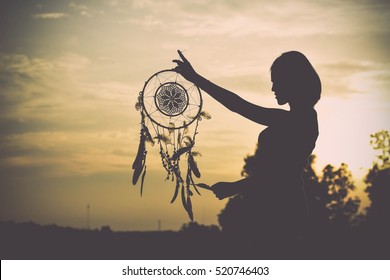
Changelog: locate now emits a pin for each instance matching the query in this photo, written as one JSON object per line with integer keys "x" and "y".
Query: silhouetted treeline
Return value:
{"x": 32, "y": 241}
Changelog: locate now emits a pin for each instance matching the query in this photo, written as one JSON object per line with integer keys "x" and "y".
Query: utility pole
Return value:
{"x": 159, "y": 225}
{"x": 88, "y": 215}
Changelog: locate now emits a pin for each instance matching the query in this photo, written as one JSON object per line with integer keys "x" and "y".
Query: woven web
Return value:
{"x": 171, "y": 99}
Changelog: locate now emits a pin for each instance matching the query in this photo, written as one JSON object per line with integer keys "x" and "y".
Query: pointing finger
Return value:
{"x": 182, "y": 56}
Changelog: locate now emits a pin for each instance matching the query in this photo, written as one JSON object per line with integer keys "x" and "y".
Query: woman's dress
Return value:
{"x": 274, "y": 205}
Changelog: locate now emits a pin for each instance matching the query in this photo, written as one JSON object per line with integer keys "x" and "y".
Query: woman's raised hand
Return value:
{"x": 185, "y": 68}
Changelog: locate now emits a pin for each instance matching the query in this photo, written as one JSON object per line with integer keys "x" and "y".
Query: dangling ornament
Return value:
{"x": 169, "y": 104}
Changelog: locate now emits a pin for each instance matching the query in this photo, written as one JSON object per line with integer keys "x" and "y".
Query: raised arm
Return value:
{"x": 258, "y": 114}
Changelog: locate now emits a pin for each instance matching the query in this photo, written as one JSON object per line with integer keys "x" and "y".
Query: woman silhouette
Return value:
{"x": 273, "y": 205}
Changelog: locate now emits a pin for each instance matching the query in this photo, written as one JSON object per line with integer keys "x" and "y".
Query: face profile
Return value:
{"x": 293, "y": 73}
{"x": 280, "y": 92}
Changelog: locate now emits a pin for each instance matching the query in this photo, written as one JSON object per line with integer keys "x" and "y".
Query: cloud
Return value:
{"x": 348, "y": 77}
{"x": 78, "y": 6}
{"x": 22, "y": 81}
{"x": 53, "y": 115}
{"x": 255, "y": 18}
{"x": 40, "y": 95}
{"x": 149, "y": 22}
{"x": 50, "y": 16}
{"x": 84, "y": 10}
{"x": 350, "y": 67}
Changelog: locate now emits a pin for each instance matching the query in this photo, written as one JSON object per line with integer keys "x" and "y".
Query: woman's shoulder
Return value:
{"x": 308, "y": 115}
{"x": 302, "y": 122}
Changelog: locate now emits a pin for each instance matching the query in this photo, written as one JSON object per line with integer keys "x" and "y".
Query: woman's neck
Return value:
{"x": 294, "y": 107}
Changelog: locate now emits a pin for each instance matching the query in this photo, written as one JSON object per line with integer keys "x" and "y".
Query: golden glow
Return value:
{"x": 70, "y": 78}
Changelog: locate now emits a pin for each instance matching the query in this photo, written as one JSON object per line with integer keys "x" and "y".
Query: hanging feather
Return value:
{"x": 176, "y": 191}
{"x": 193, "y": 166}
{"x": 195, "y": 154}
{"x": 139, "y": 161}
{"x": 183, "y": 197}
{"x": 189, "y": 192}
{"x": 189, "y": 208}
{"x": 171, "y": 128}
{"x": 179, "y": 152}
{"x": 187, "y": 140}
{"x": 140, "y": 154}
{"x": 191, "y": 181}
{"x": 143, "y": 179}
{"x": 148, "y": 136}
{"x": 163, "y": 138}
{"x": 179, "y": 139}
{"x": 205, "y": 115}
{"x": 137, "y": 172}
{"x": 185, "y": 131}
{"x": 186, "y": 200}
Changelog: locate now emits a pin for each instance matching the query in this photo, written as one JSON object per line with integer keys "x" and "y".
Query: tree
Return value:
{"x": 378, "y": 185}
{"x": 342, "y": 205}
{"x": 317, "y": 196}
{"x": 195, "y": 228}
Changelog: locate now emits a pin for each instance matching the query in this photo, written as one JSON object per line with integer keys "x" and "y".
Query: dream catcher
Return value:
{"x": 169, "y": 104}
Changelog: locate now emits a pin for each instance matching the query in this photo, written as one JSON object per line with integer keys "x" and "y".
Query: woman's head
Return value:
{"x": 295, "y": 80}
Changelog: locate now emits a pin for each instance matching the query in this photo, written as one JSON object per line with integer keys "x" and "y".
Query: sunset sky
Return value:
{"x": 71, "y": 71}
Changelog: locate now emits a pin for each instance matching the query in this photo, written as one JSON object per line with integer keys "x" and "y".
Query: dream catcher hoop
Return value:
{"x": 169, "y": 104}
{"x": 170, "y": 101}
